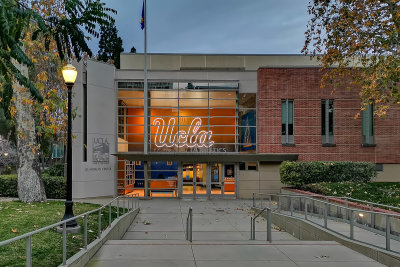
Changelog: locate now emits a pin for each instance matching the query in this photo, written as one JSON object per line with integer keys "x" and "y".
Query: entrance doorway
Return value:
{"x": 208, "y": 180}
{"x": 194, "y": 179}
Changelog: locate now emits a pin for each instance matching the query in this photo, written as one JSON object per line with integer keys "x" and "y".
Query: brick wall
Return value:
{"x": 303, "y": 85}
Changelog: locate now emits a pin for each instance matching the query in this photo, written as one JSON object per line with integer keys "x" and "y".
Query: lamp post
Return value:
{"x": 69, "y": 73}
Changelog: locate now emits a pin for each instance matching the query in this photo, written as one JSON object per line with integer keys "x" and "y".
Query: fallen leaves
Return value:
{"x": 14, "y": 230}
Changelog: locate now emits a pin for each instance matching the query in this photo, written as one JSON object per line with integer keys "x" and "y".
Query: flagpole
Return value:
{"x": 146, "y": 111}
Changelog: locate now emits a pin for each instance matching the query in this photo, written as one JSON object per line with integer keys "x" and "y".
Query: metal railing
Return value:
{"x": 127, "y": 206}
{"x": 189, "y": 225}
{"x": 322, "y": 211}
{"x": 269, "y": 224}
{"x": 263, "y": 197}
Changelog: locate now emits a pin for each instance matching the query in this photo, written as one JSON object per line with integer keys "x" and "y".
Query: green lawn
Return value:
{"x": 379, "y": 192}
{"x": 17, "y": 218}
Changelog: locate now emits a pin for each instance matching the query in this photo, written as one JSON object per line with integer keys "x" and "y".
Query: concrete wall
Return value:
{"x": 265, "y": 180}
{"x": 95, "y": 177}
{"x": 390, "y": 173}
{"x": 197, "y": 61}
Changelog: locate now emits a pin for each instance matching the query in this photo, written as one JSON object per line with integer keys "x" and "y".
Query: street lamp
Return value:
{"x": 69, "y": 73}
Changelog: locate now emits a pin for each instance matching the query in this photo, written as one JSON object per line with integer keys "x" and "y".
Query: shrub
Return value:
{"x": 53, "y": 185}
{"x": 55, "y": 170}
{"x": 301, "y": 173}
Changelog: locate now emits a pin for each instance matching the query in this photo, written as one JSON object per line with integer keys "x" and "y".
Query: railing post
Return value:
{"x": 64, "y": 242}
{"x": 269, "y": 222}
{"x": 109, "y": 215}
{"x": 351, "y": 224}
{"x": 191, "y": 225}
{"x": 117, "y": 207}
{"x": 254, "y": 201}
{"x": 326, "y": 215}
{"x": 29, "y": 251}
{"x": 388, "y": 232}
{"x": 372, "y": 216}
{"x": 305, "y": 209}
{"x": 251, "y": 228}
{"x": 254, "y": 229}
{"x": 347, "y": 208}
{"x": 270, "y": 204}
{"x": 99, "y": 225}
{"x": 279, "y": 204}
{"x": 85, "y": 230}
{"x": 291, "y": 205}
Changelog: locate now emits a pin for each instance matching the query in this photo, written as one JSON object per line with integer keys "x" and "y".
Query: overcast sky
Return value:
{"x": 213, "y": 26}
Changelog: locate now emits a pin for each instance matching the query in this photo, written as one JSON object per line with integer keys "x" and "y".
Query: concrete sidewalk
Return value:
{"x": 221, "y": 232}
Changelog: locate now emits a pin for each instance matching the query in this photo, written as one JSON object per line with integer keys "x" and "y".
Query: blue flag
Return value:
{"x": 142, "y": 20}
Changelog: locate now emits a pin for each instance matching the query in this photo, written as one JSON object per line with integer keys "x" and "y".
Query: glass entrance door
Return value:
{"x": 194, "y": 179}
{"x": 229, "y": 188}
{"x": 217, "y": 179}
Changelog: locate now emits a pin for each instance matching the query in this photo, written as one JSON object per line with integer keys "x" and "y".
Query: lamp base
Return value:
{"x": 69, "y": 230}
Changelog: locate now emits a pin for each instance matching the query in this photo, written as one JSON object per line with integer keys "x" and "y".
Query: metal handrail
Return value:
{"x": 349, "y": 212}
{"x": 132, "y": 200}
{"x": 189, "y": 225}
{"x": 253, "y": 224}
{"x": 339, "y": 197}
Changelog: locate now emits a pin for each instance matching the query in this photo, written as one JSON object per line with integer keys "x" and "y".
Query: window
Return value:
{"x": 248, "y": 166}
{"x": 367, "y": 117}
{"x": 327, "y": 122}
{"x": 287, "y": 122}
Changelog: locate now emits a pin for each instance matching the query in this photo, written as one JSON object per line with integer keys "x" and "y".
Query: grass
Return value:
{"x": 379, "y": 192}
{"x": 17, "y": 218}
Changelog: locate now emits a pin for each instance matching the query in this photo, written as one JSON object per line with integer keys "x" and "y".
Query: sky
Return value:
{"x": 212, "y": 26}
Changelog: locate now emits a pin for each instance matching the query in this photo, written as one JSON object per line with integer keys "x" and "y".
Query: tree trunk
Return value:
{"x": 30, "y": 184}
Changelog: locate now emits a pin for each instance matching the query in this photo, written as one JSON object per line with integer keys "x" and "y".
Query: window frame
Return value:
{"x": 287, "y": 139}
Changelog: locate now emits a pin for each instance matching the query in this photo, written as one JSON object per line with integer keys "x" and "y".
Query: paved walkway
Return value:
{"x": 221, "y": 231}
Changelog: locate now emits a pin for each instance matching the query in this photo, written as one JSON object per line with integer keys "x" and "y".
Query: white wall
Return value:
{"x": 96, "y": 176}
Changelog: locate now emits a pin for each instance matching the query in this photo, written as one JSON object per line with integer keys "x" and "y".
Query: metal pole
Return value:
{"x": 305, "y": 209}
{"x": 388, "y": 232}
{"x": 251, "y": 228}
{"x": 347, "y": 209}
{"x": 269, "y": 222}
{"x": 118, "y": 207}
{"x": 254, "y": 229}
{"x": 69, "y": 213}
{"x": 279, "y": 204}
{"x": 191, "y": 224}
{"x": 146, "y": 115}
{"x": 326, "y": 215}
{"x": 29, "y": 251}
{"x": 351, "y": 225}
{"x": 372, "y": 216}
{"x": 109, "y": 215}
{"x": 85, "y": 237}
{"x": 99, "y": 225}
{"x": 254, "y": 203}
{"x": 291, "y": 206}
{"x": 269, "y": 205}
{"x": 64, "y": 243}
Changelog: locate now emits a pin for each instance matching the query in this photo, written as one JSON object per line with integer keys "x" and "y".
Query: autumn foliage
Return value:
{"x": 361, "y": 35}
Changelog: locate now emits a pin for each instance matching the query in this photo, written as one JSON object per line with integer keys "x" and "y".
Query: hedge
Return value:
{"x": 301, "y": 173}
{"x": 53, "y": 185}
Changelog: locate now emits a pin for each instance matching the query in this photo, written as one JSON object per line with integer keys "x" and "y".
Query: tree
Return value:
{"x": 110, "y": 45}
{"x": 360, "y": 40}
{"x": 56, "y": 22}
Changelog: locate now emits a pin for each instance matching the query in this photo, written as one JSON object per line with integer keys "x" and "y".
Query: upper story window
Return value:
{"x": 367, "y": 116}
{"x": 287, "y": 122}
{"x": 327, "y": 125}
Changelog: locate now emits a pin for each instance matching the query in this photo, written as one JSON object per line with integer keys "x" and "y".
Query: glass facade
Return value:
{"x": 184, "y": 117}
